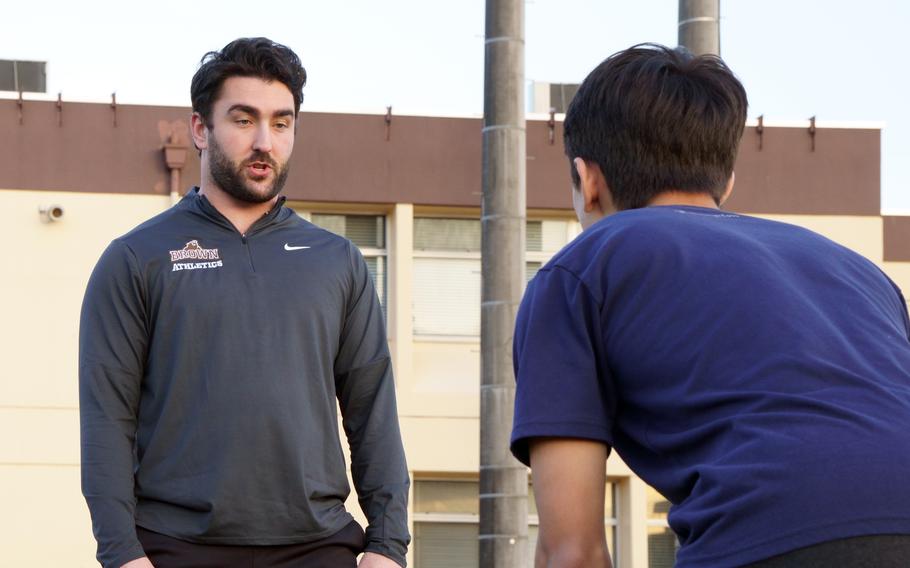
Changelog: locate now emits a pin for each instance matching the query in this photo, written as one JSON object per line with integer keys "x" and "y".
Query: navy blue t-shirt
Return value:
{"x": 755, "y": 373}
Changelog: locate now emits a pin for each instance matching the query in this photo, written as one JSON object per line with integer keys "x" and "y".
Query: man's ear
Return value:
{"x": 200, "y": 132}
{"x": 729, "y": 189}
{"x": 593, "y": 186}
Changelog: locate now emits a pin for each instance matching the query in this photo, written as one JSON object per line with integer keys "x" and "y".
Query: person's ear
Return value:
{"x": 593, "y": 186}
{"x": 200, "y": 132}
{"x": 729, "y": 189}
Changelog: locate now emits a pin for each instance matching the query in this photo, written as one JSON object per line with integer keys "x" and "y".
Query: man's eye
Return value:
{"x": 243, "y": 121}
{"x": 282, "y": 125}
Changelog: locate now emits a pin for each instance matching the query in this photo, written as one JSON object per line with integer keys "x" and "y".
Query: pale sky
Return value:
{"x": 841, "y": 61}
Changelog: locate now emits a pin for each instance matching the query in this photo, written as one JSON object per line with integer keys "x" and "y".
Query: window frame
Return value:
{"x": 573, "y": 228}
{"x": 659, "y": 522}
{"x": 533, "y": 519}
{"x": 440, "y": 254}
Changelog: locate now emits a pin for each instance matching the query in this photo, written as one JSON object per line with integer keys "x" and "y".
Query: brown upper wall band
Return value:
{"x": 425, "y": 161}
{"x": 896, "y": 239}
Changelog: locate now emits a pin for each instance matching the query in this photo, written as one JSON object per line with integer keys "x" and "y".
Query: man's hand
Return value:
{"x": 373, "y": 560}
{"x": 143, "y": 562}
{"x": 569, "y": 477}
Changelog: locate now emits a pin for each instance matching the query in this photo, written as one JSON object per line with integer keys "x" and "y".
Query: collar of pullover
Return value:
{"x": 198, "y": 203}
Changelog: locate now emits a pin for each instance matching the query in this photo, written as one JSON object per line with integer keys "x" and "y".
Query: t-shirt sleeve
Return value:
{"x": 564, "y": 388}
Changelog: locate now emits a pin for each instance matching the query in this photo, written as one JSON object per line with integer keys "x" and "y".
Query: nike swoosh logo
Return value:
{"x": 289, "y": 247}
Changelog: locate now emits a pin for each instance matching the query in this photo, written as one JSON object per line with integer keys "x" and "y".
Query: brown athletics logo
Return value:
{"x": 194, "y": 251}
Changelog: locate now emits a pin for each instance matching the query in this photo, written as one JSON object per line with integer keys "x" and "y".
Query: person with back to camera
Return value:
{"x": 753, "y": 372}
{"x": 215, "y": 340}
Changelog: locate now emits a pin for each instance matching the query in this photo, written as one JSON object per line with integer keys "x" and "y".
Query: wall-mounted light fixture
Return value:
{"x": 51, "y": 213}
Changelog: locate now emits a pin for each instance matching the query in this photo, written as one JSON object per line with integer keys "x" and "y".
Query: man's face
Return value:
{"x": 250, "y": 138}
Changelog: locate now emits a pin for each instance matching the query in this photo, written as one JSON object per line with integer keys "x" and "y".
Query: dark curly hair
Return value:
{"x": 246, "y": 57}
{"x": 655, "y": 118}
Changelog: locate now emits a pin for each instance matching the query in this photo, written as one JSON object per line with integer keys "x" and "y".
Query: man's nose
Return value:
{"x": 263, "y": 140}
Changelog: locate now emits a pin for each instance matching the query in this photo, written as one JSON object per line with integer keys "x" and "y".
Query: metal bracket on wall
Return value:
{"x": 760, "y": 130}
{"x": 388, "y": 123}
{"x": 20, "y": 103}
{"x": 812, "y": 131}
{"x": 114, "y": 107}
{"x": 551, "y": 125}
{"x": 60, "y": 108}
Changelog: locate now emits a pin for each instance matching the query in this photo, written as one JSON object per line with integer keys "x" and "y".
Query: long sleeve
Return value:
{"x": 366, "y": 392}
{"x": 113, "y": 338}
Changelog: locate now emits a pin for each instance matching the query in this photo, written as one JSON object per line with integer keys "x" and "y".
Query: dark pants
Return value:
{"x": 879, "y": 551}
{"x": 339, "y": 550}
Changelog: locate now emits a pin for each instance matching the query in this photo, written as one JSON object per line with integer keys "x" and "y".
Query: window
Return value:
{"x": 662, "y": 543}
{"x": 24, "y": 76}
{"x": 561, "y": 94}
{"x": 446, "y": 291}
{"x": 446, "y": 517}
{"x": 368, "y": 233}
{"x": 447, "y": 270}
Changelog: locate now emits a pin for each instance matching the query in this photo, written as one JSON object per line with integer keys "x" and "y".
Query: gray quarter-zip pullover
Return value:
{"x": 209, "y": 367}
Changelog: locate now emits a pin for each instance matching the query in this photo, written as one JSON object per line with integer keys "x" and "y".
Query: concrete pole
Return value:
{"x": 503, "y": 480}
{"x": 699, "y": 26}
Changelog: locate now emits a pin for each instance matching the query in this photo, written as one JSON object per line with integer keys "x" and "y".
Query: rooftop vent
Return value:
{"x": 23, "y": 76}
{"x": 556, "y": 96}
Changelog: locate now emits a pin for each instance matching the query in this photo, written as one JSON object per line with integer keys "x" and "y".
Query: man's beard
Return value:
{"x": 230, "y": 176}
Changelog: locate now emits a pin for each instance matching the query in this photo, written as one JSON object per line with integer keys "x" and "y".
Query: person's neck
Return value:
{"x": 241, "y": 214}
{"x": 675, "y": 197}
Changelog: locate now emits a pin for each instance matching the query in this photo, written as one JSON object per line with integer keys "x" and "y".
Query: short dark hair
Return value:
{"x": 246, "y": 57}
{"x": 654, "y": 119}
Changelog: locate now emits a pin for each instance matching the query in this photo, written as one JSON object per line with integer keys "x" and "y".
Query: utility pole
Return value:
{"x": 503, "y": 480}
{"x": 699, "y": 26}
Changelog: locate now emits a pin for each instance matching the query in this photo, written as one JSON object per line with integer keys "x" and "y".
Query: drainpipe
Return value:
{"x": 175, "y": 158}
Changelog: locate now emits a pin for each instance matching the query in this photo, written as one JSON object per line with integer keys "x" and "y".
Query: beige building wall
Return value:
{"x": 900, "y": 273}
{"x": 44, "y": 273}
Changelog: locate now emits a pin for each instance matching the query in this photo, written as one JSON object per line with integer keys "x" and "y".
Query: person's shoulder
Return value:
{"x": 315, "y": 235}
{"x": 334, "y": 249}
{"x": 151, "y": 225}
{"x": 582, "y": 261}
{"x": 651, "y": 227}
{"x": 786, "y": 234}
{"x": 132, "y": 248}
{"x": 618, "y": 230}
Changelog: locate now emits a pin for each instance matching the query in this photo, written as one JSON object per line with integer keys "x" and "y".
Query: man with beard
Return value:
{"x": 215, "y": 339}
